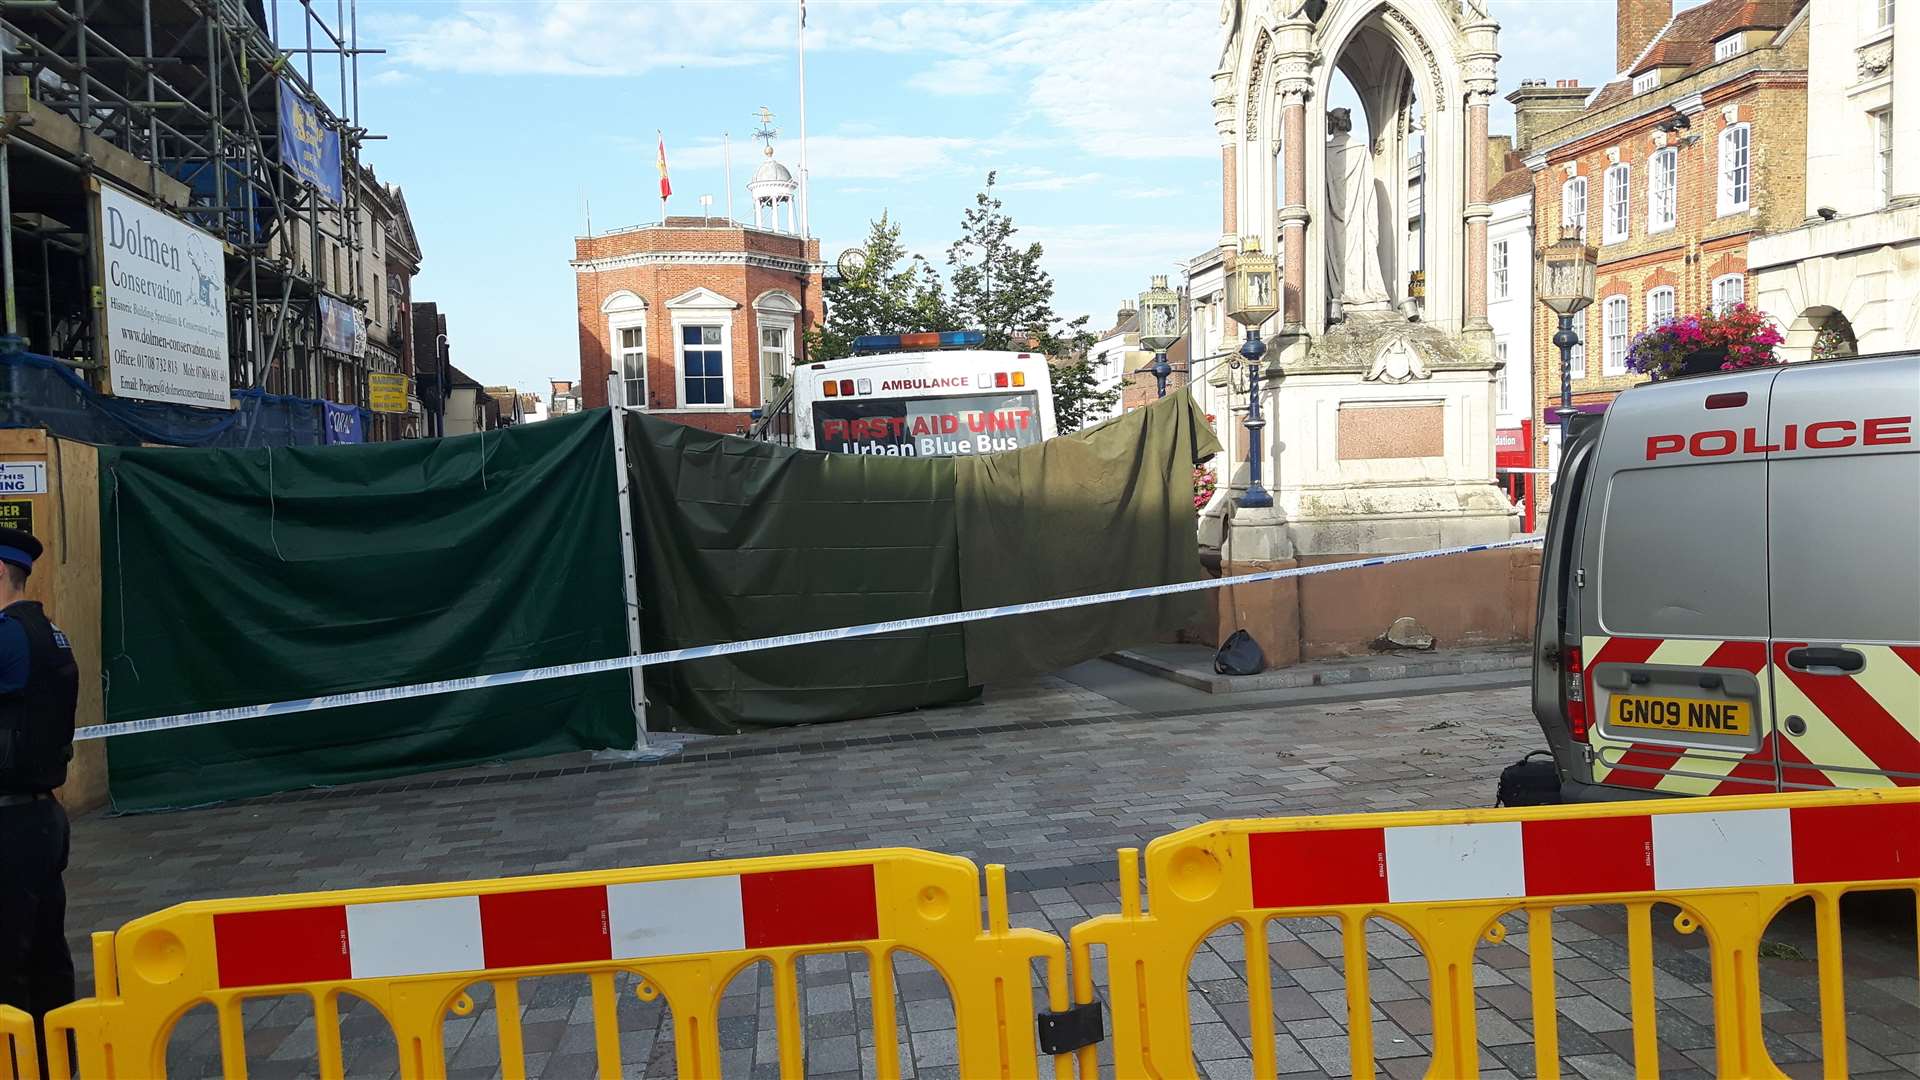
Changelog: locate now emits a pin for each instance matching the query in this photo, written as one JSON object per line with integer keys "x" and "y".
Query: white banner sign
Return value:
{"x": 166, "y": 305}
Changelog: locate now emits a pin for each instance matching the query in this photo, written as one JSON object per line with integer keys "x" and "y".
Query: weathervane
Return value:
{"x": 766, "y": 132}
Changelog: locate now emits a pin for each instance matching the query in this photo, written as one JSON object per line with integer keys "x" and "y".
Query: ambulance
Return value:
{"x": 1730, "y": 586}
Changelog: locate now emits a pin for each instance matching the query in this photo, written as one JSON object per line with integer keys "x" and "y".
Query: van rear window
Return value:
{"x": 1683, "y": 552}
{"x": 1846, "y": 548}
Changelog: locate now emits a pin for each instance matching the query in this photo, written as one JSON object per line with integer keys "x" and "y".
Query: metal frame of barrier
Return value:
{"x": 685, "y": 931}
{"x": 1729, "y": 864}
{"x": 18, "y": 1060}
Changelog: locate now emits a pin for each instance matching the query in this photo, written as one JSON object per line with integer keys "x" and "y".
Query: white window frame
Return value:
{"x": 1728, "y": 47}
{"x": 1616, "y": 216}
{"x": 1573, "y": 194}
{"x": 1663, "y": 190}
{"x": 774, "y": 309}
{"x": 1503, "y": 403}
{"x": 1579, "y": 351}
{"x": 1500, "y": 269}
{"x": 1735, "y": 161}
{"x": 1614, "y": 315}
{"x": 627, "y": 311}
{"x": 1646, "y": 80}
{"x": 1729, "y": 283}
{"x": 1663, "y": 297}
{"x": 1882, "y": 120}
{"x": 1884, "y": 9}
{"x": 703, "y": 307}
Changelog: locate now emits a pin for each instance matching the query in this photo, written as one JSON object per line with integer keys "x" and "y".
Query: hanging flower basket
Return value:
{"x": 1734, "y": 340}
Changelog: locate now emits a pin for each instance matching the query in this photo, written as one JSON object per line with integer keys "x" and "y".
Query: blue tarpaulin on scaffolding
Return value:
{"x": 38, "y": 391}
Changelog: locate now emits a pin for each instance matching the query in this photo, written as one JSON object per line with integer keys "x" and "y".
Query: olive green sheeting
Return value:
{"x": 241, "y": 577}
{"x": 738, "y": 539}
{"x": 1103, "y": 509}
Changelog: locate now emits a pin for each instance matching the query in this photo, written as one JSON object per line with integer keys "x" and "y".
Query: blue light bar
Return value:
{"x": 946, "y": 339}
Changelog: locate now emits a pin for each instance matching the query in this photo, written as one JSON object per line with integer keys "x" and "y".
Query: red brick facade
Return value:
{"x": 652, "y": 277}
{"x": 1764, "y": 89}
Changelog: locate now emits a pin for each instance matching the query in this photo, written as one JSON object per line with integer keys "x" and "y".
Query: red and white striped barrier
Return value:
{"x": 1673, "y": 852}
{"x": 585, "y": 924}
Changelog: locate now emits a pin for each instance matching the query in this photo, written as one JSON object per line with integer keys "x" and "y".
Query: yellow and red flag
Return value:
{"x": 666, "y": 188}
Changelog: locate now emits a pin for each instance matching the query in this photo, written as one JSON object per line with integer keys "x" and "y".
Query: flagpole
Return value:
{"x": 803, "y": 119}
{"x": 660, "y": 140}
{"x": 727, "y": 139}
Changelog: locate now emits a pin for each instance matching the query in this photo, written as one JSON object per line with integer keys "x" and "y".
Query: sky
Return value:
{"x": 505, "y": 120}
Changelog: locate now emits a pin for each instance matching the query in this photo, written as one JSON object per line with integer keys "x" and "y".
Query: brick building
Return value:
{"x": 1695, "y": 148}
{"x": 702, "y": 318}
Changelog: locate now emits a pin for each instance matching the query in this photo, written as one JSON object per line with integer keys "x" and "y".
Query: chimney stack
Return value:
{"x": 1498, "y": 147}
{"x": 1539, "y": 108}
{"x": 1638, "y": 21}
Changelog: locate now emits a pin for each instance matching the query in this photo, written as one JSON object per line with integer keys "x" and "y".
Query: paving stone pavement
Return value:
{"x": 1061, "y": 778}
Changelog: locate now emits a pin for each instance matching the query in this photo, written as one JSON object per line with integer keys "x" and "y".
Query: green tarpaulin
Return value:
{"x": 740, "y": 539}
{"x": 236, "y": 577}
{"x": 1104, "y": 509}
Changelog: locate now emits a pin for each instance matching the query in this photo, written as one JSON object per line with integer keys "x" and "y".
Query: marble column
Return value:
{"x": 1226, "y": 122}
{"x": 1479, "y": 99}
{"x": 1292, "y": 95}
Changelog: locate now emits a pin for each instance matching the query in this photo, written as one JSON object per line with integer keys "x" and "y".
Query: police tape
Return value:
{"x": 734, "y": 648}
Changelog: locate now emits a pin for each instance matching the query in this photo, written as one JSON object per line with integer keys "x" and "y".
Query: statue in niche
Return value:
{"x": 1354, "y": 279}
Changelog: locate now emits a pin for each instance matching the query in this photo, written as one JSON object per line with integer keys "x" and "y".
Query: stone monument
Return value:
{"x": 1380, "y": 373}
{"x": 1353, "y": 222}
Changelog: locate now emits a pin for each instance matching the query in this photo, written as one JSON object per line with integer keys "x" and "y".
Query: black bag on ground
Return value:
{"x": 1239, "y": 655}
{"x": 1530, "y": 782}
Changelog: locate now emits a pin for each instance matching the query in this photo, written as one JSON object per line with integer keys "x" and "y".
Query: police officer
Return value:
{"x": 39, "y": 685}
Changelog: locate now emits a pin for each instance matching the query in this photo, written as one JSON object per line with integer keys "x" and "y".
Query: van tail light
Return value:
{"x": 1573, "y": 695}
{"x": 1000, "y": 380}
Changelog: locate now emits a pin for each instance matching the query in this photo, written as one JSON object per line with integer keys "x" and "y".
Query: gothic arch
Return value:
{"x": 1406, "y": 43}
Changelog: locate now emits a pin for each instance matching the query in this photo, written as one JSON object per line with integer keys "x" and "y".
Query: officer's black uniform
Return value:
{"x": 39, "y": 686}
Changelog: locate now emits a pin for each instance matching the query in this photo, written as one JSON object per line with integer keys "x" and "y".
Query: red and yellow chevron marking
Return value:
{"x": 1677, "y": 770}
{"x": 1863, "y": 730}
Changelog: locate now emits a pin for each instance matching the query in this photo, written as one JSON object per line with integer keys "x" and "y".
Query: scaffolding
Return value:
{"x": 179, "y": 102}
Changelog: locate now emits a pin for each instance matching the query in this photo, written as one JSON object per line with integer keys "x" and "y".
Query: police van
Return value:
{"x": 1730, "y": 586}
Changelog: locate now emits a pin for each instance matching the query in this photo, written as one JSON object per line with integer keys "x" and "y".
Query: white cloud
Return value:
{"x": 576, "y": 37}
{"x": 1117, "y": 78}
{"x": 392, "y": 77}
{"x": 841, "y": 157}
{"x": 1107, "y": 246}
{"x": 1030, "y": 179}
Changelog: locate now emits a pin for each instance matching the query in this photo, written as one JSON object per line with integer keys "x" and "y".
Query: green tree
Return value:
{"x": 998, "y": 286}
{"x": 893, "y": 293}
{"x": 1077, "y": 399}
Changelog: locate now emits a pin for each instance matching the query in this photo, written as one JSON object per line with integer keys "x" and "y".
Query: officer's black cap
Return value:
{"x": 19, "y": 548}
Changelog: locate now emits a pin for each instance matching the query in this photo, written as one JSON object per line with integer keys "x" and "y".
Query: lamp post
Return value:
{"x": 1252, "y": 298}
{"x": 1160, "y": 327}
{"x": 1564, "y": 282}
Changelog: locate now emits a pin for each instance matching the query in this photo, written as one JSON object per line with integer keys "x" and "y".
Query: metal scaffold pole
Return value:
{"x": 644, "y": 748}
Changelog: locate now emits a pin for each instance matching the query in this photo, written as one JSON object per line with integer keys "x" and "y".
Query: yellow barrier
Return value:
{"x": 686, "y": 931}
{"x": 17, "y": 1058}
{"x": 1728, "y": 864}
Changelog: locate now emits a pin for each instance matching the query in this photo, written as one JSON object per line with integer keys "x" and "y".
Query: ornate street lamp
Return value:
{"x": 1565, "y": 283}
{"x": 1160, "y": 327}
{"x": 1253, "y": 295}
